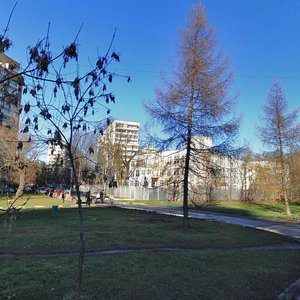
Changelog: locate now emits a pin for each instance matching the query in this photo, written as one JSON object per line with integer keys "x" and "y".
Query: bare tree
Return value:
{"x": 109, "y": 161}
{"x": 267, "y": 178}
{"x": 196, "y": 101}
{"x": 247, "y": 175}
{"x": 15, "y": 170}
{"x": 281, "y": 132}
{"x": 86, "y": 148}
{"x": 116, "y": 155}
{"x": 127, "y": 153}
{"x": 70, "y": 106}
{"x": 59, "y": 103}
{"x": 294, "y": 174}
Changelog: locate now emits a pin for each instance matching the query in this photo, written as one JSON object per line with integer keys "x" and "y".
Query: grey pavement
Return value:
{"x": 289, "y": 229}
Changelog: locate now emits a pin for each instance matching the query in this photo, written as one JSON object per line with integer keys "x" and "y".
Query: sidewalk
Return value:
{"x": 291, "y": 230}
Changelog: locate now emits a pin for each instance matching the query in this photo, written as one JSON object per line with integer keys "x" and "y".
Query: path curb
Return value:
{"x": 292, "y": 292}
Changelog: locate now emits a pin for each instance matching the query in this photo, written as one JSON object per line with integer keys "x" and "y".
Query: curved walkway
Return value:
{"x": 95, "y": 252}
{"x": 291, "y": 230}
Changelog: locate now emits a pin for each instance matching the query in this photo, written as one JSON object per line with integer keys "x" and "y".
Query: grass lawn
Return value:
{"x": 211, "y": 264}
{"x": 160, "y": 203}
{"x": 254, "y": 210}
{"x": 35, "y": 201}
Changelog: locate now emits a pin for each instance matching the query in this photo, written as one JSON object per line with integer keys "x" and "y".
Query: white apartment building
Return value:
{"x": 211, "y": 175}
{"x": 56, "y": 155}
{"x": 145, "y": 168}
{"x": 123, "y": 133}
{"x": 118, "y": 146}
{"x": 157, "y": 166}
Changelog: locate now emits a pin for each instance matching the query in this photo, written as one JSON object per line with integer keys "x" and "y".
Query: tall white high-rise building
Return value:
{"x": 118, "y": 146}
{"x": 123, "y": 133}
{"x": 56, "y": 155}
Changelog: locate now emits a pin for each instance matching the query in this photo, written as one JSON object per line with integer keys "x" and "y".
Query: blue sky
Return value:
{"x": 261, "y": 38}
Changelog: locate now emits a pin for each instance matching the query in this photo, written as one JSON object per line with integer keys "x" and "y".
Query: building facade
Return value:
{"x": 57, "y": 155}
{"x": 123, "y": 133}
{"x": 212, "y": 176}
{"x": 118, "y": 147}
{"x": 10, "y": 98}
{"x": 10, "y": 104}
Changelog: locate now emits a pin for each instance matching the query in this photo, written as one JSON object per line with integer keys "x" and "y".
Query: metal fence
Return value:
{"x": 143, "y": 193}
{"x": 138, "y": 193}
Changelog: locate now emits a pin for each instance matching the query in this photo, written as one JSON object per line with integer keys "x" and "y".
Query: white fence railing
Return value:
{"x": 143, "y": 193}
{"x": 138, "y": 193}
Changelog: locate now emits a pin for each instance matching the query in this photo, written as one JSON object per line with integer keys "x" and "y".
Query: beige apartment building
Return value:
{"x": 10, "y": 104}
{"x": 10, "y": 98}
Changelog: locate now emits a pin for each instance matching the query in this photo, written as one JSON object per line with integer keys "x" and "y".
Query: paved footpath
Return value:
{"x": 288, "y": 229}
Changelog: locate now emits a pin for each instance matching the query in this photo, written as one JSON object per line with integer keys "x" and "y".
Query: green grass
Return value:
{"x": 160, "y": 203}
{"x": 256, "y": 210}
{"x": 35, "y": 201}
{"x": 211, "y": 265}
{"x": 180, "y": 275}
{"x": 275, "y": 211}
{"x": 107, "y": 228}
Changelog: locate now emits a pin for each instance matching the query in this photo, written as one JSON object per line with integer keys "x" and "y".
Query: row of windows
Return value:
{"x": 7, "y": 120}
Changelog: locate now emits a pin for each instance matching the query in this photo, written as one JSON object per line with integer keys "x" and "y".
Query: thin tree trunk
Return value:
{"x": 187, "y": 159}
{"x": 282, "y": 165}
{"x": 186, "y": 177}
{"x": 188, "y": 142}
{"x": 286, "y": 202}
{"x": 78, "y": 286}
{"x": 21, "y": 186}
{"x": 81, "y": 249}
{"x": 283, "y": 185}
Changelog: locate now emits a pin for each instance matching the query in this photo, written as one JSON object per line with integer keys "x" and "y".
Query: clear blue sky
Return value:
{"x": 261, "y": 37}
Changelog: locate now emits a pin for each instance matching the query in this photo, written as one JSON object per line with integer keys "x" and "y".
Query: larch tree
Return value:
{"x": 280, "y": 131}
{"x": 196, "y": 102}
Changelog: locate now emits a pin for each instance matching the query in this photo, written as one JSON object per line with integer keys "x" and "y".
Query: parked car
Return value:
{"x": 43, "y": 190}
{"x": 8, "y": 189}
{"x": 28, "y": 189}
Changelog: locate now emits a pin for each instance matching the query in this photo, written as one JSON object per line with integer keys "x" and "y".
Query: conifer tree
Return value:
{"x": 196, "y": 102}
